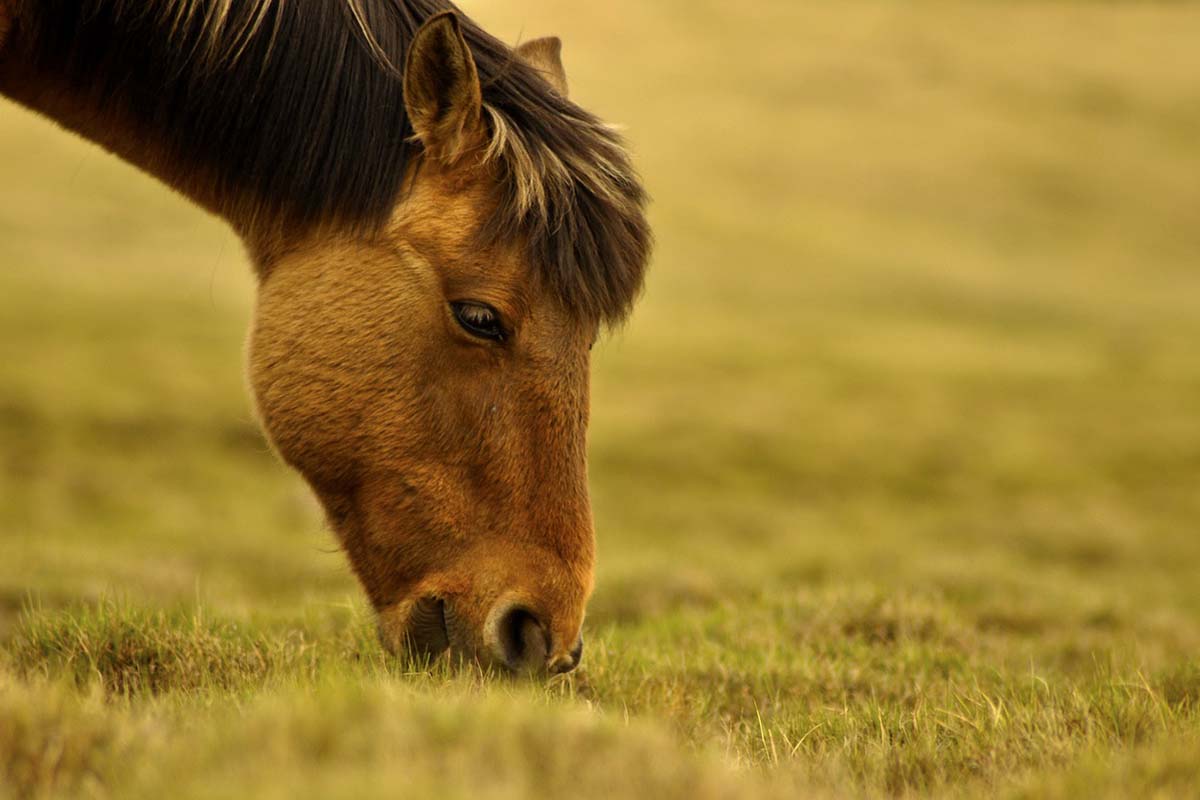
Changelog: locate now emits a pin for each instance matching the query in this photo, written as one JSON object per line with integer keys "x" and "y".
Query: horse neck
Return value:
{"x": 6, "y": 18}
{"x": 98, "y": 107}
{"x": 41, "y": 93}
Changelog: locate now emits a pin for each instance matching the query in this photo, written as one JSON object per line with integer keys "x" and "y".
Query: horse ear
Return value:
{"x": 545, "y": 55}
{"x": 441, "y": 89}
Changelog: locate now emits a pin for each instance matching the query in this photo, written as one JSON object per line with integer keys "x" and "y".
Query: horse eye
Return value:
{"x": 480, "y": 320}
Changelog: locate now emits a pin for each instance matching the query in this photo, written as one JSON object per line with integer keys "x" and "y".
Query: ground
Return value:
{"x": 896, "y": 470}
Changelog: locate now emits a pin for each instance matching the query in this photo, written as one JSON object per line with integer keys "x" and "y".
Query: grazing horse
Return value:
{"x": 439, "y": 235}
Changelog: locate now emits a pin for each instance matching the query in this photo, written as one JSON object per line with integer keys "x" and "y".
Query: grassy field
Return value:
{"x": 896, "y": 471}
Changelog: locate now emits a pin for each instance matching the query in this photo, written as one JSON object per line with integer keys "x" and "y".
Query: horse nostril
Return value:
{"x": 521, "y": 640}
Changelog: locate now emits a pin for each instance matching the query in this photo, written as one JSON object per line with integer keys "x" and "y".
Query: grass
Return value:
{"x": 895, "y": 470}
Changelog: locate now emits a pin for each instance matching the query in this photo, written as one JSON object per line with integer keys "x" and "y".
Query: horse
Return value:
{"x": 439, "y": 235}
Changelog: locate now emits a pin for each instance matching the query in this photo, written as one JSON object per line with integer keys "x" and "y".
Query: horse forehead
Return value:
{"x": 441, "y": 218}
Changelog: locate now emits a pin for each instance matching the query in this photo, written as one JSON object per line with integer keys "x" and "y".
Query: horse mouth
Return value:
{"x": 427, "y": 633}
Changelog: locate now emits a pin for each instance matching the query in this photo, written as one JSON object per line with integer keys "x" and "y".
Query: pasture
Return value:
{"x": 896, "y": 469}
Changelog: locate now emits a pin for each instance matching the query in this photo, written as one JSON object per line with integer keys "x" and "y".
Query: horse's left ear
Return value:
{"x": 441, "y": 89}
{"x": 545, "y": 55}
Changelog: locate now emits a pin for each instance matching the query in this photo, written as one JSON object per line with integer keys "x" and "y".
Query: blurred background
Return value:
{"x": 923, "y": 319}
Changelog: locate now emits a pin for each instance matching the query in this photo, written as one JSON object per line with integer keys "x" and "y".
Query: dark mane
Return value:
{"x": 293, "y": 113}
